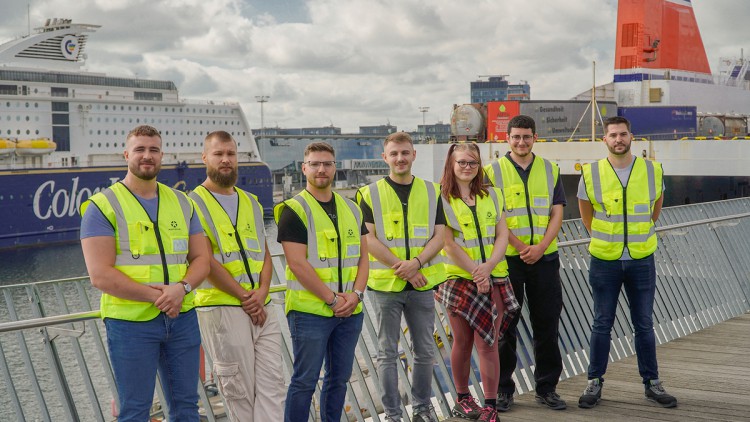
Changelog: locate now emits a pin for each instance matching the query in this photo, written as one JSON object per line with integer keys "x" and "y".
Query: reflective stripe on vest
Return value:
{"x": 461, "y": 220}
{"x": 229, "y": 242}
{"x": 323, "y": 245}
{"x": 405, "y": 236}
{"x": 141, "y": 243}
{"x": 611, "y": 226}
{"x": 527, "y": 206}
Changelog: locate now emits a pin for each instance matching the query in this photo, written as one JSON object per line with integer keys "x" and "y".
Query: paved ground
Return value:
{"x": 708, "y": 372}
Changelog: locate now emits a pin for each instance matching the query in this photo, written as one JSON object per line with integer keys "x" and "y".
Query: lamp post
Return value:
{"x": 424, "y": 111}
{"x": 261, "y": 99}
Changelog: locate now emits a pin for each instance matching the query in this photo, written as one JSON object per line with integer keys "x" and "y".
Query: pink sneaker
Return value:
{"x": 488, "y": 414}
{"x": 467, "y": 408}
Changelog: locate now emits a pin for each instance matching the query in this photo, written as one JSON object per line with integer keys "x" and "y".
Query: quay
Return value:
{"x": 54, "y": 366}
{"x": 708, "y": 371}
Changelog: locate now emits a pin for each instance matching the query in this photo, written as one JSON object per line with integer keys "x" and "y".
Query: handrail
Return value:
{"x": 75, "y": 316}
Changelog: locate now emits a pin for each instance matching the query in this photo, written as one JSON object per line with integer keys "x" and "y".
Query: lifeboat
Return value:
{"x": 35, "y": 146}
{"x": 7, "y": 147}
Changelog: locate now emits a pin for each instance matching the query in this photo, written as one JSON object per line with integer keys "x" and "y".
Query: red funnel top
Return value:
{"x": 659, "y": 34}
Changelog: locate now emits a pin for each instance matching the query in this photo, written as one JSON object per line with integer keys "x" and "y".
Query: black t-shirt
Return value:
{"x": 402, "y": 191}
{"x": 292, "y": 228}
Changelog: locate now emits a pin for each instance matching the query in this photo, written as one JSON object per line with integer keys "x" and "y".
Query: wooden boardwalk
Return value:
{"x": 708, "y": 371}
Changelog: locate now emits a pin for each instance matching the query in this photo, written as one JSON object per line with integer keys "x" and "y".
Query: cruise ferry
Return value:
{"x": 63, "y": 130}
{"x": 692, "y": 121}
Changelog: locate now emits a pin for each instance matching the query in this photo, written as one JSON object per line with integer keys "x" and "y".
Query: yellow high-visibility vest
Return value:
{"x": 334, "y": 255}
{"x": 527, "y": 206}
{"x": 240, "y": 248}
{"x": 471, "y": 238}
{"x": 622, "y": 215}
{"x": 404, "y": 235}
{"x": 149, "y": 252}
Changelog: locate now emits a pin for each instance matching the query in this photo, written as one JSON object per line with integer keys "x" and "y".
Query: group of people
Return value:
{"x": 175, "y": 270}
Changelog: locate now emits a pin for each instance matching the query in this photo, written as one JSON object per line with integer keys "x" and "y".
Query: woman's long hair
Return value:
{"x": 449, "y": 186}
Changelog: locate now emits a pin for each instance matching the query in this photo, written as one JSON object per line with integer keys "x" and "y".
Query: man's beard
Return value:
{"x": 145, "y": 174}
{"x": 613, "y": 149}
{"x": 225, "y": 180}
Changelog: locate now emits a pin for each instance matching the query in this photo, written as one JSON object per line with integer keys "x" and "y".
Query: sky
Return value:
{"x": 352, "y": 63}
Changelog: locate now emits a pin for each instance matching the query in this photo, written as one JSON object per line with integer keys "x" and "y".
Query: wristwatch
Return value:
{"x": 360, "y": 295}
{"x": 187, "y": 286}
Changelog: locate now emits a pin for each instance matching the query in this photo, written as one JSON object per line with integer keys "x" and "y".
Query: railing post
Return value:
{"x": 58, "y": 374}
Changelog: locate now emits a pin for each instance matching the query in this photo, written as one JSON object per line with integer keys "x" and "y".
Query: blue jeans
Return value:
{"x": 138, "y": 349}
{"x": 418, "y": 309}
{"x": 639, "y": 278}
{"x": 316, "y": 339}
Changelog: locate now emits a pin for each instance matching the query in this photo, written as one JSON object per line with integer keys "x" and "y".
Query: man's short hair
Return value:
{"x": 398, "y": 137}
{"x": 319, "y": 147}
{"x": 616, "y": 120}
{"x": 143, "y": 130}
{"x": 219, "y": 135}
{"x": 522, "y": 122}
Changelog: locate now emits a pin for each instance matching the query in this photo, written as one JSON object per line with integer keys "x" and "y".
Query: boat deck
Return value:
{"x": 708, "y": 371}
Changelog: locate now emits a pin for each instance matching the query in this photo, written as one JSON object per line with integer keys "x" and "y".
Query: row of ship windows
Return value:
{"x": 166, "y": 144}
{"x": 182, "y": 121}
{"x": 165, "y": 133}
{"x": 18, "y": 132}
{"x": 18, "y": 118}
{"x": 138, "y": 108}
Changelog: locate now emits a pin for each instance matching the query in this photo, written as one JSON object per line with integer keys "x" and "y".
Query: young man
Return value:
{"x": 240, "y": 335}
{"x": 405, "y": 220}
{"x": 324, "y": 242}
{"x": 620, "y": 199}
{"x": 534, "y": 201}
{"x": 138, "y": 237}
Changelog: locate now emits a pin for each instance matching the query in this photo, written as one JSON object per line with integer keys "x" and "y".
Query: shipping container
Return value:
{"x": 661, "y": 123}
{"x": 557, "y": 120}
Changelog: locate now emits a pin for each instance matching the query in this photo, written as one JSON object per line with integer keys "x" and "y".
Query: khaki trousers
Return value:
{"x": 246, "y": 362}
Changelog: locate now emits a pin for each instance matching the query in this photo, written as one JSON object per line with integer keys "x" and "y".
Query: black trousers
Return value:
{"x": 539, "y": 283}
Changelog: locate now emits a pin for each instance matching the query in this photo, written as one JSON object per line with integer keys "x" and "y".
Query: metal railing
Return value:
{"x": 54, "y": 366}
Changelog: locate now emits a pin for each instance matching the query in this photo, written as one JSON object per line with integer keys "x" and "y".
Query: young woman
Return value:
{"x": 478, "y": 294}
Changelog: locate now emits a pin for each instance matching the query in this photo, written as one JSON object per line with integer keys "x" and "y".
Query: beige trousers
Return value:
{"x": 246, "y": 362}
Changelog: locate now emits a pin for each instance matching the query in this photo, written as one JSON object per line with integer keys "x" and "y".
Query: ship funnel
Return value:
{"x": 659, "y": 34}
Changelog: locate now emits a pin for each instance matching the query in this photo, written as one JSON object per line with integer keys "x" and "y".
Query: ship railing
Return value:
{"x": 208, "y": 102}
{"x": 54, "y": 366}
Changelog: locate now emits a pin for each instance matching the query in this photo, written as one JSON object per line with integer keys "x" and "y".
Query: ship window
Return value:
{"x": 91, "y": 145}
{"x": 36, "y": 132}
{"x": 182, "y": 144}
{"x": 130, "y": 108}
{"x": 91, "y": 131}
{"x": 106, "y": 132}
{"x": 138, "y": 120}
{"x": 98, "y": 132}
{"x": 152, "y": 109}
{"x": 137, "y": 108}
{"x": 201, "y": 121}
{"x": 99, "y": 144}
{"x": 106, "y": 107}
{"x": 27, "y": 118}
{"x": 8, "y": 103}
{"x": 28, "y": 132}
{"x": 107, "y": 144}
{"x": 106, "y": 119}
{"x": 18, "y": 118}
{"x": 36, "y": 118}
{"x": 18, "y": 131}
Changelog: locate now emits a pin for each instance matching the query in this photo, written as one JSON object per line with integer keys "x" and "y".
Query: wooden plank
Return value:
{"x": 708, "y": 371}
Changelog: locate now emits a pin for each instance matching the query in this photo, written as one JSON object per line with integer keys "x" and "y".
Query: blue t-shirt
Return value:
{"x": 94, "y": 223}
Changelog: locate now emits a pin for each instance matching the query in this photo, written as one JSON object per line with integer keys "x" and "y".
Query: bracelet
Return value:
{"x": 420, "y": 262}
{"x": 334, "y": 301}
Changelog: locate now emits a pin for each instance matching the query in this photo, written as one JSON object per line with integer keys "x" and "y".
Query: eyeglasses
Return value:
{"x": 471, "y": 164}
{"x": 524, "y": 137}
{"x": 325, "y": 164}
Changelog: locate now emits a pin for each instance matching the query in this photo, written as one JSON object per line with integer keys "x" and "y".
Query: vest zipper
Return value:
{"x": 242, "y": 252}
{"x": 528, "y": 207}
{"x": 625, "y": 213}
{"x": 161, "y": 248}
{"x": 479, "y": 232}
{"x": 405, "y": 209}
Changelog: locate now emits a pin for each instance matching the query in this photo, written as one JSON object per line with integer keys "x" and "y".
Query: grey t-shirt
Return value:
{"x": 229, "y": 203}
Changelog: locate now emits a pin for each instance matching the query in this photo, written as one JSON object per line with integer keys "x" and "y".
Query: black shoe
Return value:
{"x": 655, "y": 392}
{"x": 504, "y": 400}
{"x": 551, "y": 400}
{"x": 591, "y": 395}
